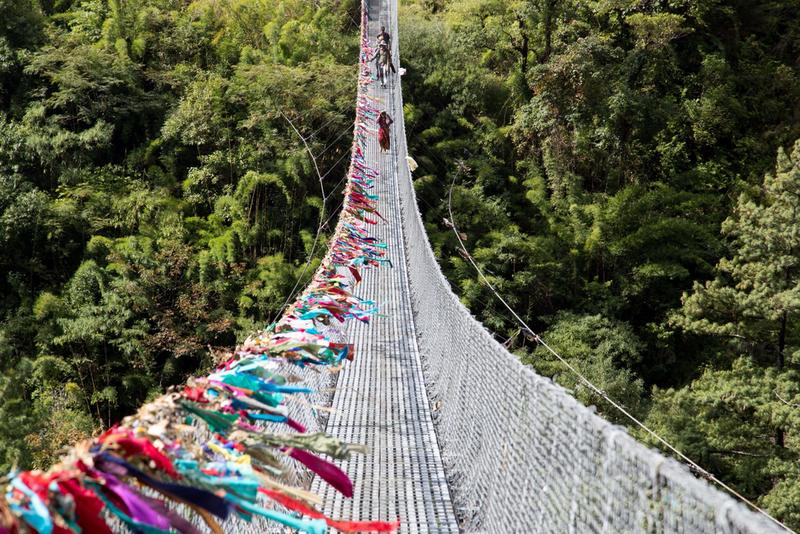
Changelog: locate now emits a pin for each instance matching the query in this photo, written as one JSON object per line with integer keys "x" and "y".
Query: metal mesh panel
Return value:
{"x": 521, "y": 454}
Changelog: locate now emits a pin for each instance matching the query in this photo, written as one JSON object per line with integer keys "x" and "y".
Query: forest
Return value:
{"x": 156, "y": 203}
{"x": 625, "y": 172}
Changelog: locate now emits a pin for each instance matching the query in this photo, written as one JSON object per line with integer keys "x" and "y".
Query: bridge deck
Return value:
{"x": 380, "y": 398}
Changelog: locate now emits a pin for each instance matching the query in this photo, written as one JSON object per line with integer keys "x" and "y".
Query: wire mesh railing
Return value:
{"x": 521, "y": 454}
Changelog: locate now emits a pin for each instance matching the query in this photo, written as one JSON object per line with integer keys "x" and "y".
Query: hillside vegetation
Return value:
{"x": 626, "y": 174}
{"x": 155, "y": 202}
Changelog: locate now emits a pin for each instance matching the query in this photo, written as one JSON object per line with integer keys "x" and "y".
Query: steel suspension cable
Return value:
{"x": 292, "y": 293}
{"x": 323, "y": 222}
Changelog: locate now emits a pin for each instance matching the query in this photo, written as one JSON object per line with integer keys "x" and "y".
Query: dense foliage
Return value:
{"x": 615, "y": 175}
{"x": 155, "y": 201}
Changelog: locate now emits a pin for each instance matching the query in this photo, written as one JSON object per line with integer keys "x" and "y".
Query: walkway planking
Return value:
{"x": 380, "y": 397}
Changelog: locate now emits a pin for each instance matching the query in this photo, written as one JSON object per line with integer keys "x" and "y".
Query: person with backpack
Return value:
{"x": 383, "y": 63}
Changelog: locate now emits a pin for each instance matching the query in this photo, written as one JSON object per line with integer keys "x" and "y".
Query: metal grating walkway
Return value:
{"x": 380, "y": 397}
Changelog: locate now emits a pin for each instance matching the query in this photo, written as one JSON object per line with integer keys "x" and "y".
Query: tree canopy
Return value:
{"x": 155, "y": 202}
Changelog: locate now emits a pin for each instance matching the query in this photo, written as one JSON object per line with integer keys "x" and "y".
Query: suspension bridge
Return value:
{"x": 459, "y": 435}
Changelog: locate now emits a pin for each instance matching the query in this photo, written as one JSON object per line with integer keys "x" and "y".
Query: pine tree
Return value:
{"x": 740, "y": 417}
{"x": 756, "y": 296}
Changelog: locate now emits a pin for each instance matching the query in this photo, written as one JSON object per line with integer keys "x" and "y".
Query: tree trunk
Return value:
{"x": 782, "y": 341}
{"x": 524, "y": 53}
{"x": 780, "y": 438}
{"x": 549, "y": 7}
{"x": 524, "y": 47}
{"x": 780, "y": 433}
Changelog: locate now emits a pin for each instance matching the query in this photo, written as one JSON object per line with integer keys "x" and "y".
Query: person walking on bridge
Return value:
{"x": 383, "y": 63}
{"x": 384, "y": 37}
{"x": 384, "y": 60}
{"x": 384, "y": 121}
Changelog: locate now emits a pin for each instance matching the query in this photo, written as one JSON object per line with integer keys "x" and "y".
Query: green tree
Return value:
{"x": 596, "y": 149}
{"x": 755, "y": 300}
{"x": 154, "y": 200}
{"x": 21, "y": 29}
{"x": 600, "y": 349}
{"x": 746, "y": 405}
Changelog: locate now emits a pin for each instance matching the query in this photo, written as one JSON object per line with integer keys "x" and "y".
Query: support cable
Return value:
{"x": 323, "y": 222}
{"x": 586, "y": 382}
{"x": 292, "y": 293}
